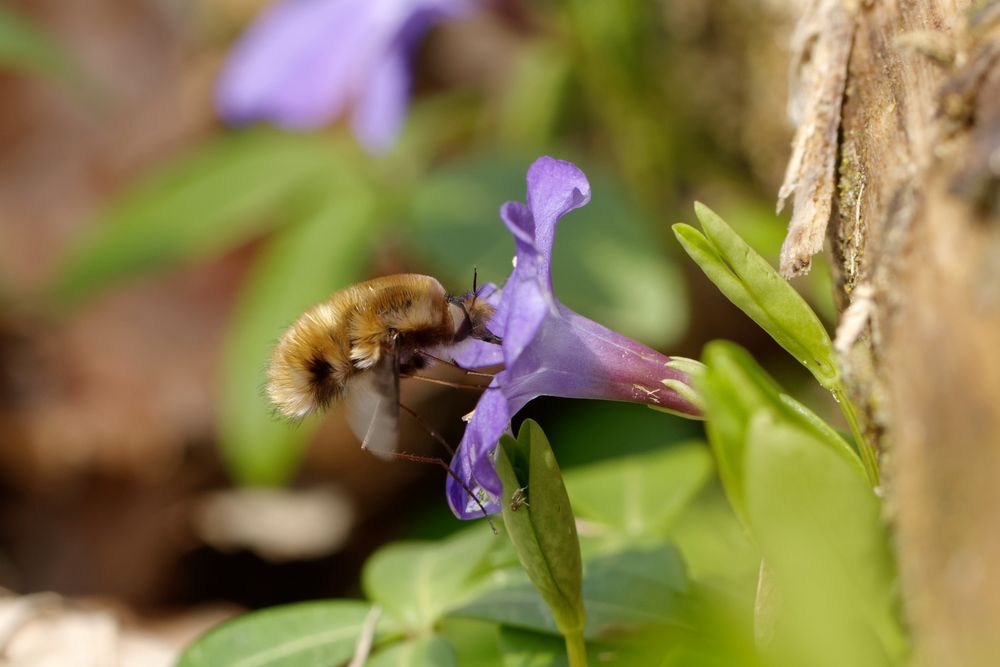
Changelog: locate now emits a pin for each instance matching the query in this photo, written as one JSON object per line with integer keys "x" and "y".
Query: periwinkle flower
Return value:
{"x": 303, "y": 63}
{"x": 548, "y": 349}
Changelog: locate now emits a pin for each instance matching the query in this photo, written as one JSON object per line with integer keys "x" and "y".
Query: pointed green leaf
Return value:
{"x": 707, "y": 257}
{"x": 417, "y": 582}
{"x": 794, "y": 325}
{"x": 307, "y": 634}
{"x": 753, "y": 285}
{"x": 300, "y": 266}
{"x": 542, "y": 528}
{"x": 819, "y": 527}
{"x": 640, "y": 495}
{"x": 225, "y": 193}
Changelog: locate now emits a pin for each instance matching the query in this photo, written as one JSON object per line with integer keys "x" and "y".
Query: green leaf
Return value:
{"x": 638, "y": 587}
{"x": 707, "y": 257}
{"x": 307, "y": 634}
{"x": 418, "y": 582}
{"x": 641, "y": 495}
{"x": 225, "y": 193}
{"x": 795, "y": 319}
{"x": 542, "y": 528}
{"x": 758, "y": 290}
{"x": 635, "y": 587}
{"x": 717, "y": 630}
{"x": 300, "y": 266}
{"x": 820, "y": 531}
{"x": 25, "y": 47}
{"x": 425, "y": 651}
{"x": 474, "y": 642}
{"x": 753, "y": 219}
{"x": 735, "y": 388}
{"x": 608, "y": 263}
{"x": 712, "y": 541}
{"x": 522, "y": 648}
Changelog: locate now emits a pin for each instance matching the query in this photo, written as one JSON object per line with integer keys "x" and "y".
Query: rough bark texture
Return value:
{"x": 915, "y": 234}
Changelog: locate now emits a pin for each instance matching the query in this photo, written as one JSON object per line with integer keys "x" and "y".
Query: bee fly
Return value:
{"x": 354, "y": 346}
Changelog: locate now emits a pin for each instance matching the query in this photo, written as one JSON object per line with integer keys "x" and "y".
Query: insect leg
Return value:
{"x": 439, "y": 461}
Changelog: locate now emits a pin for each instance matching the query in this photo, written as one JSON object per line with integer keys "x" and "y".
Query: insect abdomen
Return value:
{"x": 311, "y": 363}
{"x": 331, "y": 342}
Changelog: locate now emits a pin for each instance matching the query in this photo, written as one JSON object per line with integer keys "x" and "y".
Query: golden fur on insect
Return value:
{"x": 331, "y": 343}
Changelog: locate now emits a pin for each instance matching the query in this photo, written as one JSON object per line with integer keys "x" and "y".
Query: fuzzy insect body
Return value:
{"x": 354, "y": 345}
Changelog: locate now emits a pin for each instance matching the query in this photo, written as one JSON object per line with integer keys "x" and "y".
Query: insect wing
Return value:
{"x": 372, "y": 406}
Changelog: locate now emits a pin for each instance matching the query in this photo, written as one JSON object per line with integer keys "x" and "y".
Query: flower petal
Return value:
{"x": 555, "y": 187}
{"x": 472, "y": 353}
{"x": 575, "y": 357}
{"x": 473, "y": 462}
{"x": 461, "y": 503}
{"x": 299, "y": 62}
{"x": 518, "y": 219}
{"x": 381, "y": 106}
{"x": 526, "y": 303}
{"x": 379, "y": 112}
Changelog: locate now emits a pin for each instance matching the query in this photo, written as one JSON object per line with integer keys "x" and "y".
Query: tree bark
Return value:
{"x": 905, "y": 185}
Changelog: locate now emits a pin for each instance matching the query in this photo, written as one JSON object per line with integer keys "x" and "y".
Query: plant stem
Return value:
{"x": 576, "y": 649}
{"x": 869, "y": 457}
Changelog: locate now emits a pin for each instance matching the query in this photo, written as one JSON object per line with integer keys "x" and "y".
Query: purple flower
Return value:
{"x": 547, "y": 348}
{"x": 304, "y": 62}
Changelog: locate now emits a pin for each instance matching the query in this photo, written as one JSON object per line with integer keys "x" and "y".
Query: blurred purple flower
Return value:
{"x": 303, "y": 62}
{"x": 549, "y": 350}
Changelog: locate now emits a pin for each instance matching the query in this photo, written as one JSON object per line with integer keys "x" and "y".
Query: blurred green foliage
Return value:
{"x": 26, "y": 47}
{"x": 643, "y": 494}
{"x": 227, "y": 192}
{"x": 827, "y": 588}
{"x": 641, "y": 598}
{"x": 308, "y": 633}
{"x": 416, "y": 583}
{"x": 820, "y": 532}
{"x": 735, "y": 389}
{"x": 825, "y": 593}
